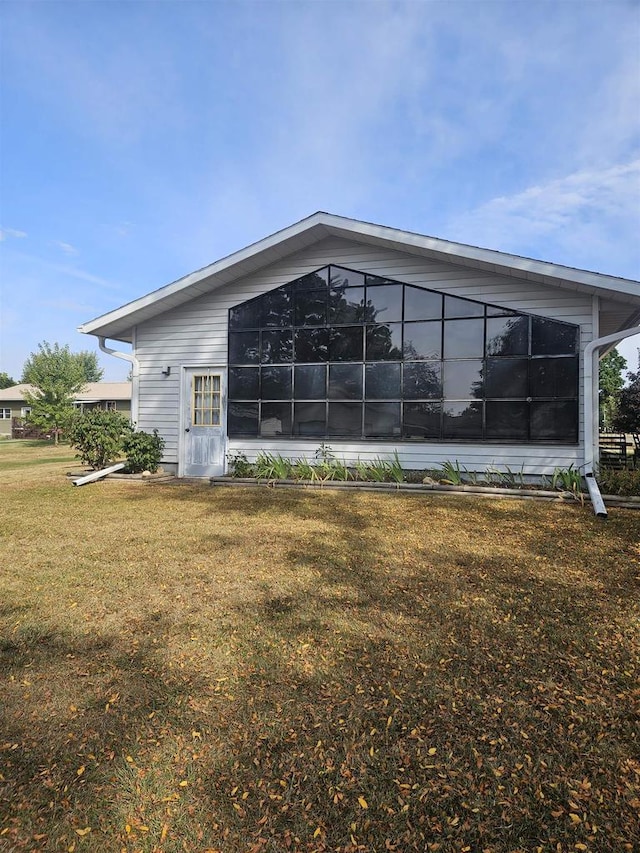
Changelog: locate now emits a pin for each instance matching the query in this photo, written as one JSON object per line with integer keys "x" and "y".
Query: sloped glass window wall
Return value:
{"x": 342, "y": 354}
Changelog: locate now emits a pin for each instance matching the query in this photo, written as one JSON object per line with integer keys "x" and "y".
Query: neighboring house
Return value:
{"x": 95, "y": 395}
{"x": 371, "y": 340}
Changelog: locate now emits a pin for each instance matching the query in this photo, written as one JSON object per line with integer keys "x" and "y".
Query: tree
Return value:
{"x": 6, "y": 381}
{"x": 57, "y": 375}
{"x": 611, "y": 382}
{"x": 89, "y": 362}
{"x": 627, "y": 418}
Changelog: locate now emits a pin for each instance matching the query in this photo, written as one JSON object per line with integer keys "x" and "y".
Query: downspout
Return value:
{"x": 589, "y": 425}
{"x": 135, "y": 370}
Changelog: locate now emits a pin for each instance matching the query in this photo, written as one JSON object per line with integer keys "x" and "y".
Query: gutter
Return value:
{"x": 135, "y": 372}
{"x": 590, "y": 455}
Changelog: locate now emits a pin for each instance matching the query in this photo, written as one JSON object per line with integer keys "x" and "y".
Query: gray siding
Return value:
{"x": 195, "y": 334}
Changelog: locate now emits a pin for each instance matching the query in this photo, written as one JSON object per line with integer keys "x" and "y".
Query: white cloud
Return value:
{"x": 67, "y": 248}
{"x": 11, "y": 232}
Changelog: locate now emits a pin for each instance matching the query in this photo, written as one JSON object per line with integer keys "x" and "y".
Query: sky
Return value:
{"x": 144, "y": 139}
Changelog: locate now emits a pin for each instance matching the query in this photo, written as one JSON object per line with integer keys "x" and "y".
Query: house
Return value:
{"x": 95, "y": 395}
{"x": 373, "y": 340}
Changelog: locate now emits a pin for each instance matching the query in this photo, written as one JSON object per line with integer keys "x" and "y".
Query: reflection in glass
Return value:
{"x": 309, "y": 419}
{"x": 311, "y": 308}
{"x": 462, "y": 420}
{"x": 422, "y": 340}
{"x": 384, "y": 303}
{"x": 382, "y": 420}
{"x": 345, "y": 419}
{"x": 422, "y": 380}
{"x": 462, "y": 380}
{"x": 508, "y": 336}
{"x": 463, "y": 338}
{"x": 554, "y": 377}
{"x": 242, "y": 419}
{"x": 422, "y": 420}
{"x": 277, "y": 346}
{"x": 506, "y": 377}
{"x": 314, "y": 281}
{"x": 312, "y": 345}
{"x": 454, "y": 306}
{"x": 275, "y": 419}
{"x": 243, "y": 347}
{"x": 244, "y": 383}
{"x": 384, "y": 343}
{"x": 346, "y": 306}
{"x": 277, "y": 307}
{"x": 551, "y": 337}
{"x": 421, "y": 304}
{"x": 507, "y": 419}
{"x": 341, "y": 278}
{"x": 276, "y": 383}
{"x": 345, "y": 343}
{"x": 345, "y": 381}
{"x": 310, "y": 381}
{"x": 555, "y": 420}
{"x": 245, "y": 316}
{"x": 382, "y": 381}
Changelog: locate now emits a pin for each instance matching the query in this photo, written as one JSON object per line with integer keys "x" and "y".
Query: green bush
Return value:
{"x": 98, "y": 436}
{"x": 143, "y": 451}
{"x": 239, "y": 465}
{"x": 619, "y": 482}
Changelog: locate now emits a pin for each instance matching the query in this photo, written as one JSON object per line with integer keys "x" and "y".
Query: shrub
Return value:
{"x": 98, "y": 436}
{"x": 143, "y": 451}
{"x": 619, "y": 482}
{"x": 239, "y": 465}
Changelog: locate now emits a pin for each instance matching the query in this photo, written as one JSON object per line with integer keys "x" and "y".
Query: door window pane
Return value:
{"x": 309, "y": 419}
{"x": 456, "y": 307}
{"x": 462, "y": 420}
{"x": 276, "y": 383}
{"x": 421, "y": 304}
{"x": 422, "y": 420}
{"x": 463, "y": 338}
{"x": 423, "y": 340}
{"x": 244, "y": 383}
{"x": 206, "y": 400}
{"x": 382, "y": 420}
{"x": 422, "y": 380}
{"x": 345, "y": 344}
{"x": 242, "y": 419}
{"x": 506, "y": 377}
{"x": 310, "y": 381}
{"x": 462, "y": 380}
{"x": 551, "y": 337}
{"x": 508, "y": 420}
{"x": 384, "y": 303}
{"x": 384, "y": 343}
{"x": 312, "y": 345}
{"x": 345, "y": 419}
{"x": 345, "y": 381}
{"x": 554, "y": 421}
{"x": 243, "y": 347}
{"x": 508, "y": 336}
{"x": 554, "y": 377}
{"x": 382, "y": 381}
{"x": 311, "y": 308}
{"x": 275, "y": 419}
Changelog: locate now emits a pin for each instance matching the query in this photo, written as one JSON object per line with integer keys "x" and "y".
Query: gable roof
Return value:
{"x": 91, "y": 393}
{"x": 118, "y": 324}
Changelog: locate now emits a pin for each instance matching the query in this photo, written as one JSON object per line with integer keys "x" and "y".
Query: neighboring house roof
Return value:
{"x": 118, "y": 324}
{"x": 91, "y": 393}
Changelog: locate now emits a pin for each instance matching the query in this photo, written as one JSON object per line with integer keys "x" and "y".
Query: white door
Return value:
{"x": 203, "y": 442}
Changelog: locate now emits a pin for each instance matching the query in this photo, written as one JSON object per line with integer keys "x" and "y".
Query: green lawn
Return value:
{"x": 193, "y": 669}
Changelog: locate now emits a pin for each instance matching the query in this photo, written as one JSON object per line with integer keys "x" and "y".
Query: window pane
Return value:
{"x": 243, "y": 347}
{"x": 507, "y": 420}
{"x": 277, "y": 307}
{"x": 463, "y": 338}
{"x": 508, "y": 336}
{"x": 377, "y": 279}
{"x": 345, "y": 419}
{"x": 422, "y": 380}
{"x": 421, "y": 304}
{"x": 345, "y": 381}
{"x": 551, "y": 337}
{"x": 277, "y": 346}
{"x": 462, "y": 420}
{"x": 384, "y": 342}
{"x": 276, "y": 419}
{"x": 242, "y": 419}
{"x": 346, "y": 306}
{"x": 462, "y": 380}
{"x": 497, "y": 311}
{"x": 246, "y": 315}
{"x": 310, "y": 382}
{"x": 276, "y": 383}
{"x": 309, "y": 419}
{"x": 341, "y": 278}
{"x": 244, "y": 383}
{"x": 314, "y": 281}
{"x": 311, "y": 308}
{"x": 456, "y": 307}
{"x": 422, "y": 420}
{"x": 312, "y": 345}
{"x": 554, "y": 377}
{"x": 506, "y": 377}
{"x": 382, "y": 381}
{"x": 423, "y": 340}
{"x": 345, "y": 344}
{"x": 555, "y": 421}
{"x": 384, "y": 303}
{"x": 382, "y": 419}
